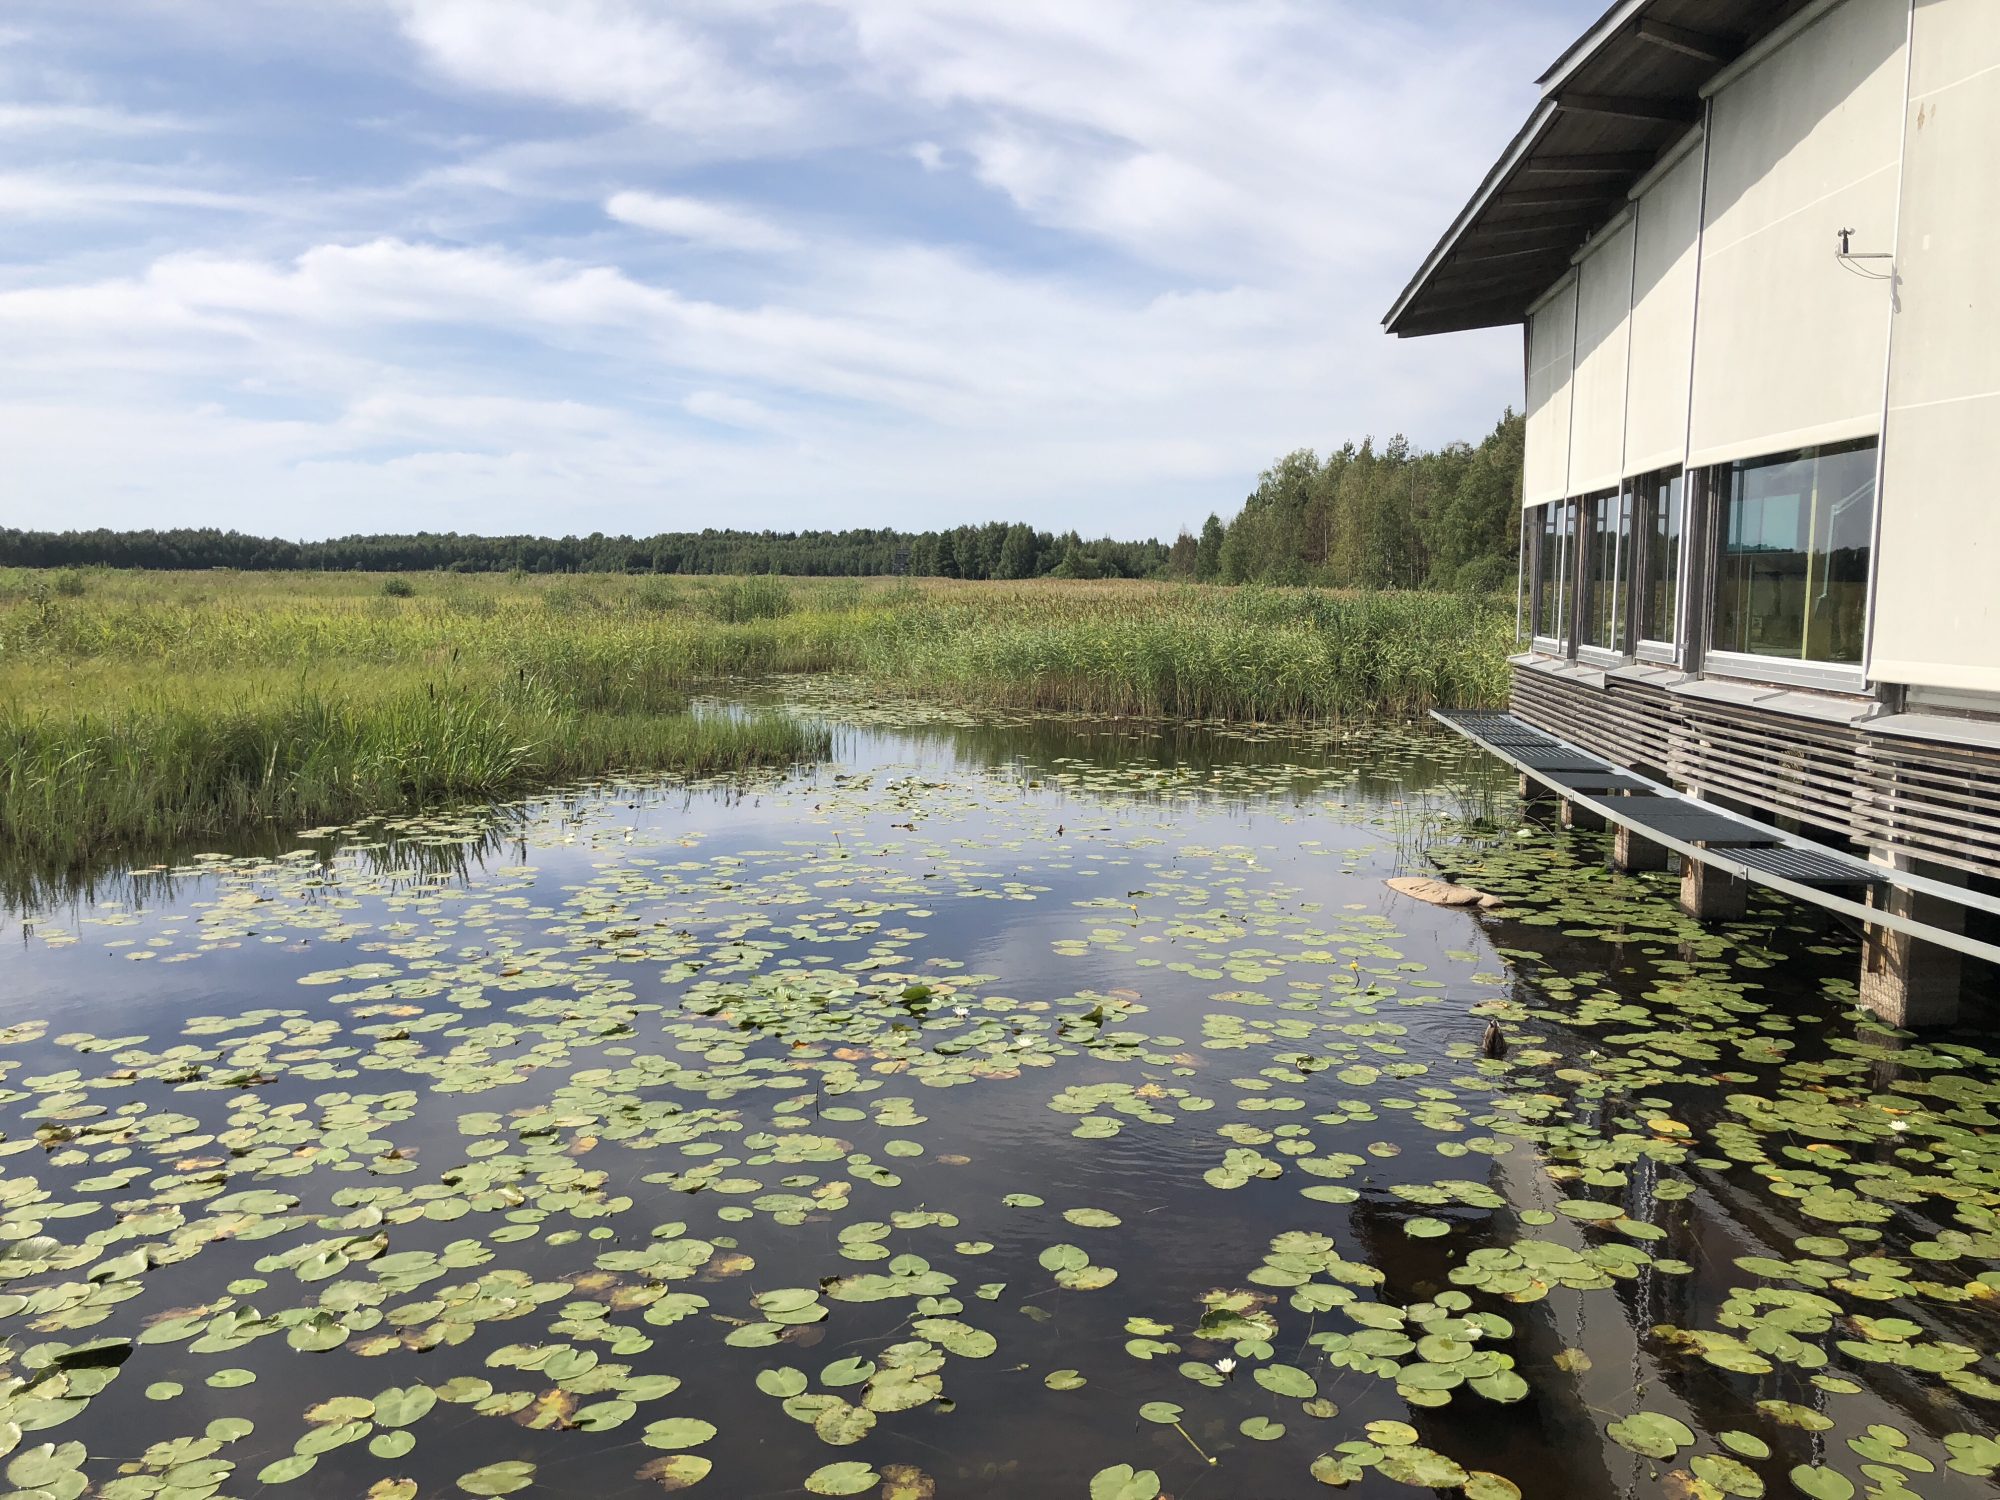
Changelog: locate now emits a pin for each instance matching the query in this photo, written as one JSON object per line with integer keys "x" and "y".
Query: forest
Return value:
{"x": 1361, "y": 516}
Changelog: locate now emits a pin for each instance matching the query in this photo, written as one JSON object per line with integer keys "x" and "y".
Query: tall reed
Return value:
{"x": 153, "y": 706}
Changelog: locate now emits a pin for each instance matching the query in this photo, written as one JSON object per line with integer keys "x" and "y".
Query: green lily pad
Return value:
{"x": 501, "y": 1478}
{"x": 1123, "y": 1482}
{"x": 849, "y": 1478}
{"x": 1821, "y": 1484}
{"x": 1651, "y": 1434}
{"x": 677, "y": 1432}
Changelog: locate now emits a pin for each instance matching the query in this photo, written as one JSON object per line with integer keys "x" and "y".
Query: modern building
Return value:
{"x": 1754, "y": 247}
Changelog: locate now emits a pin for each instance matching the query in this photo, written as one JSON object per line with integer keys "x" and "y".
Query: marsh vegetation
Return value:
{"x": 147, "y": 707}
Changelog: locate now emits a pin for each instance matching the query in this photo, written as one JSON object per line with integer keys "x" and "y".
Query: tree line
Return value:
{"x": 995, "y": 550}
{"x": 1362, "y": 516}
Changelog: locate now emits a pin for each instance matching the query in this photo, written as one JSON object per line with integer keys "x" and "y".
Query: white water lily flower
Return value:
{"x": 1898, "y": 1125}
{"x": 1225, "y": 1364}
{"x": 960, "y": 1010}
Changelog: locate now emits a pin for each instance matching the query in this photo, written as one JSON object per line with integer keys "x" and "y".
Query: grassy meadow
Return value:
{"x": 148, "y": 707}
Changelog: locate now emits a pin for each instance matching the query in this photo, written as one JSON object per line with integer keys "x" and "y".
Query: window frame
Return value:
{"x": 1586, "y": 576}
{"x": 1565, "y": 590}
{"x": 1647, "y": 645}
{"x": 1819, "y": 676}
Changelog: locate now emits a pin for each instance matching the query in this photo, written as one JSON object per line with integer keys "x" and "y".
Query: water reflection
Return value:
{"x": 638, "y": 1072}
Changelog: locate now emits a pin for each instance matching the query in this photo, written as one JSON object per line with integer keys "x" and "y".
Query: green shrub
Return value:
{"x": 397, "y": 588}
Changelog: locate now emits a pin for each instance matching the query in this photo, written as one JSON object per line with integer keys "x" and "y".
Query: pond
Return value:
{"x": 1004, "y": 1107}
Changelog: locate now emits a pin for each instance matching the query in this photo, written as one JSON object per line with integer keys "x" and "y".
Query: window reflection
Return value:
{"x": 1555, "y": 570}
{"x": 1607, "y": 596}
{"x": 1659, "y": 499}
{"x": 1796, "y": 534}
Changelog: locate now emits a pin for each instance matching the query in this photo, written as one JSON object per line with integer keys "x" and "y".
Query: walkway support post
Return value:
{"x": 1710, "y": 893}
{"x": 1632, "y": 851}
{"x": 1905, "y": 980}
{"x": 1576, "y": 815}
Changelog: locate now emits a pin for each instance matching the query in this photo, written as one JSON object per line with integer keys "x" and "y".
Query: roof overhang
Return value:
{"x": 1614, "y": 106}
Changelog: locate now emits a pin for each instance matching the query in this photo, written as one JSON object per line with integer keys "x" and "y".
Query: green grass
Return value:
{"x": 154, "y": 707}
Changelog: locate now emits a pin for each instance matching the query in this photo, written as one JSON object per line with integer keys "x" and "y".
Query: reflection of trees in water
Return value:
{"x": 1731, "y": 1216}
{"x": 453, "y": 845}
{"x": 1550, "y": 1442}
{"x": 395, "y": 860}
{"x": 1233, "y": 766}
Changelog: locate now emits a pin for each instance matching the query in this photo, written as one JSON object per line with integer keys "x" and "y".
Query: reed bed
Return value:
{"x": 137, "y": 761}
{"x": 156, "y": 706}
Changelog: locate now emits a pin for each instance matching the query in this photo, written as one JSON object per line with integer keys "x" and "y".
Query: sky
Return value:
{"x": 314, "y": 267}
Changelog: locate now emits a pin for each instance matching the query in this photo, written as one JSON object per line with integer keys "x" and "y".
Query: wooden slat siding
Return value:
{"x": 1655, "y": 717}
{"x": 1934, "y": 800}
{"x": 1626, "y": 723}
{"x": 1972, "y": 802}
{"x": 1911, "y": 823}
{"x": 1786, "y": 765}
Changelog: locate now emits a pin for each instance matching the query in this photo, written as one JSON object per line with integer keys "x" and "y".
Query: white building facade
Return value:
{"x": 1755, "y": 251}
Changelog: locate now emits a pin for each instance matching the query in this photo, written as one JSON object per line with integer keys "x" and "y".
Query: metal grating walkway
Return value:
{"x": 1554, "y": 758}
{"x": 1497, "y": 729}
{"x": 1599, "y": 781}
{"x": 1809, "y": 866}
{"x": 1700, "y": 831}
{"x": 1684, "y": 818}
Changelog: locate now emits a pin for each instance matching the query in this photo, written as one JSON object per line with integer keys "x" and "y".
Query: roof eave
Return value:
{"x": 1523, "y": 142}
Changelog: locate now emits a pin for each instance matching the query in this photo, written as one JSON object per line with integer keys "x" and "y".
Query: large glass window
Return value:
{"x": 1607, "y": 594}
{"x": 1657, "y": 497}
{"x": 1555, "y": 570}
{"x": 1795, "y": 536}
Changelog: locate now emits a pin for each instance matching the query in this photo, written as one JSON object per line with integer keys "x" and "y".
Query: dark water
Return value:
{"x": 1153, "y": 977}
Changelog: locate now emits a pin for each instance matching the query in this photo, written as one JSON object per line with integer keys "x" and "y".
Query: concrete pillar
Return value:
{"x": 1632, "y": 851}
{"x": 1711, "y": 894}
{"x": 1576, "y": 815}
{"x": 1905, "y": 980}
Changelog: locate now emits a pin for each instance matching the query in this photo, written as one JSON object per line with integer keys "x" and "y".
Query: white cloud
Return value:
{"x": 54, "y": 195}
{"x": 730, "y": 411}
{"x": 81, "y": 119}
{"x": 594, "y": 54}
{"x": 1134, "y": 252}
{"x": 696, "y": 219}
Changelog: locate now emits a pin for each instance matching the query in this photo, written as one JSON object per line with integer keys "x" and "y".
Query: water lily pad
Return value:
{"x": 782, "y": 1382}
{"x": 1123, "y": 1482}
{"x": 677, "y": 1432}
{"x": 502, "y": 1478}
{"x": 399, "y": 1406}
{"x": 1651, "y": 1434}
{"x": 1822, "y": 1484}
{"x": 676, "y": 1471}
{"x": 1287, "y": 1380}
{"x": 851, "y": 1478}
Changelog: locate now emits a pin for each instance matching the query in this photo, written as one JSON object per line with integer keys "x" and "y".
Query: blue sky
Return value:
{"x": 308, "y": 267}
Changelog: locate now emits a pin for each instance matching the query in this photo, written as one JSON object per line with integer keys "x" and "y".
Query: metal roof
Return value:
{"x": 1612, "y": 106}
